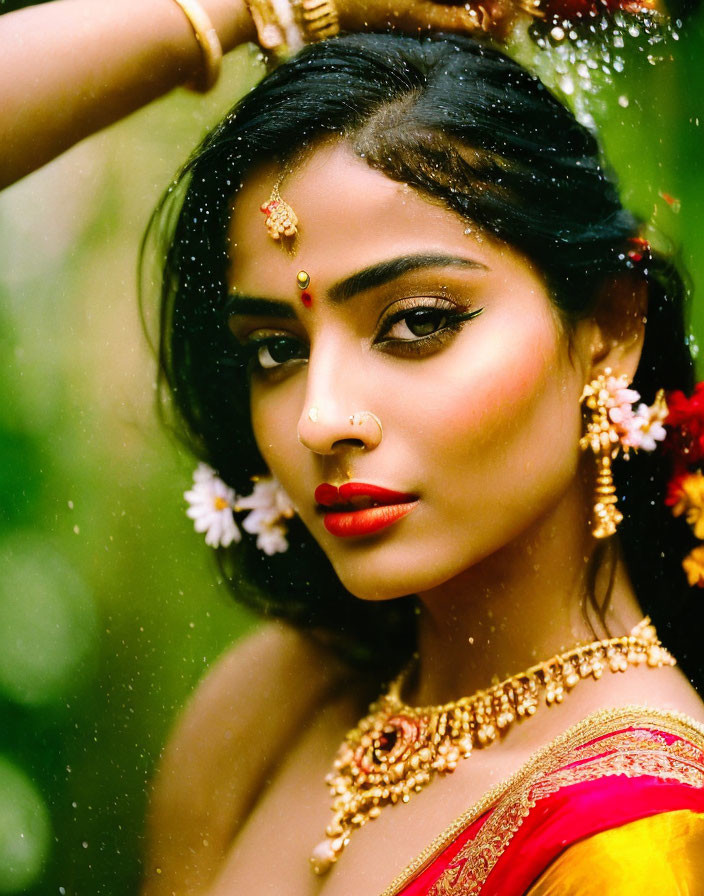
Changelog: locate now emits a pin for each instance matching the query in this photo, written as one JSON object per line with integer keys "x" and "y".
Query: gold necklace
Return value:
{"x": 397, "y": 749}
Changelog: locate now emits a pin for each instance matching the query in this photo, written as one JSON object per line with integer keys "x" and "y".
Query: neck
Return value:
{"x": 521, "y": 605}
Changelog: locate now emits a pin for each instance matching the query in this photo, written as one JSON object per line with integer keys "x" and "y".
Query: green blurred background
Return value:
{"x": 110, "y": 605}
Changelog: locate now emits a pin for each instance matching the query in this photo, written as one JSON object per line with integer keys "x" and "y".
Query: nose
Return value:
{"x": 324, "y": 431}
{"x": 335, "y": 414}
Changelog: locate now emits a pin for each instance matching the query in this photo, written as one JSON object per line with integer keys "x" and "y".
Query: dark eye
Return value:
{"x": 273, "y": 352}
{"x": 418, "y": 322}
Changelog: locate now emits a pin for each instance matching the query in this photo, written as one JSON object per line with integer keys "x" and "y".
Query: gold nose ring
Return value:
{"x": 361, "y": 417}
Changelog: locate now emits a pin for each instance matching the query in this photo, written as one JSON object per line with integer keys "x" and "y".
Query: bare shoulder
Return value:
{"x": 664, "y": 689}
{"x": 232, "y": 734}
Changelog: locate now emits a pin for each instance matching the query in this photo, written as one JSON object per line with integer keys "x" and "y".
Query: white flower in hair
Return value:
{"x": 272, "y": 540}
{"x": 648, "y": 427}
{"x": 269, "y": 505}
{"x": 641, "y": 428}
{"x": 211, "y": 508}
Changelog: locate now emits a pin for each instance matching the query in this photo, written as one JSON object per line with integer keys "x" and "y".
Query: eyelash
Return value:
{"x": 454, "y": 320}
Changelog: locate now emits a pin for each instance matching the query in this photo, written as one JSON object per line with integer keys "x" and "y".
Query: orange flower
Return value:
{"x": 687, "y": 497}
{"x": 693, "y": 565}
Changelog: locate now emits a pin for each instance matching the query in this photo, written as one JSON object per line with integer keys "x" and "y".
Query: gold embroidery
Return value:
{"x": 626, "y": 753}
{"x": 630, "y": 756}
{"x": 644, "y": 740}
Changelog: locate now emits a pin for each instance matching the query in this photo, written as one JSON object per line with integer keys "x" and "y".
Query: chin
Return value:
{"x": 375, "y": 581}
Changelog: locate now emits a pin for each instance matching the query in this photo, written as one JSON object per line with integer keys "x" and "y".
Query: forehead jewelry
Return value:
{"x": 303, "y": 282}
{"x": 281, "y": 220}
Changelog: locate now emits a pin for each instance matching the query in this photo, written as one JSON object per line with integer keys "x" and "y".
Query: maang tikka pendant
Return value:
{"x": 281, "y": 220}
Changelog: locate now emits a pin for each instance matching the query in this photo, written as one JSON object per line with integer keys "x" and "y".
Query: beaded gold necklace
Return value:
{"x": 397, "y": 749}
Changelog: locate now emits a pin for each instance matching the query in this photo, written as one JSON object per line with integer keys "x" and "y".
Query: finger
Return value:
{"x": 434, "y": 16}
{"x": 487, "y": 16}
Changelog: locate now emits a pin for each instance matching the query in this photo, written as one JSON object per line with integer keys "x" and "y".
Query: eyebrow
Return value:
{"x": 342, "y": 291}
{"x": 387, "y": 271}
{"x": 250, "y": 305}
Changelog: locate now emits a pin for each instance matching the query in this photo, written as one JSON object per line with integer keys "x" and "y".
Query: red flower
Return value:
{"x": 675, "y": 492}
{"x": 574, "y": 10}
{"x": 685, "y": 424}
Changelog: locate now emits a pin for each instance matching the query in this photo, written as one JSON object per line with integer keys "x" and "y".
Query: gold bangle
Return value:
{"x": 319, "y": 19}
{"x": 208, "y": 41}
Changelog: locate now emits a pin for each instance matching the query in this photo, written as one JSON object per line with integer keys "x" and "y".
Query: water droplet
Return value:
{"x": 567, "y": 85}
{"x": 623, "y": 102}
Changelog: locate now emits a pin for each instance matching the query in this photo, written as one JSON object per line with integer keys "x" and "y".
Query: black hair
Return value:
{"x": 466, "y": 125}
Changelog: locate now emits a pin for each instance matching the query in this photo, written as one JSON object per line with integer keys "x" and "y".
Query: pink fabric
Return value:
{"x": 574, "y": 812}
{"x": 579, "y": 811}
{"x": 420, "y": 885}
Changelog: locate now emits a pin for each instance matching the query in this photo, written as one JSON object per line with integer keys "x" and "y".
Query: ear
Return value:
{"x": 612, "y": 336}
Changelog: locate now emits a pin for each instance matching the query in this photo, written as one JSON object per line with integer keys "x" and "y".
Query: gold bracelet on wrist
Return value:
{"x": 208, "y": 41}
{"x": 319, "y": 19}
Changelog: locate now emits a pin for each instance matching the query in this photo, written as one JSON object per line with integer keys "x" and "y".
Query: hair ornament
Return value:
{"x": 269, "y": 506}
{"x": 213, "y": 504}
{"x": 639, "y": 250}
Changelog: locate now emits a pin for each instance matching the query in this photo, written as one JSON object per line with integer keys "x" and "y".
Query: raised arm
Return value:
{"x": 70, "y": 67}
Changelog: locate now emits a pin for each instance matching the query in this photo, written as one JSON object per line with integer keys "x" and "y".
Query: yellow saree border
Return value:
{"x": 549, "y": 760}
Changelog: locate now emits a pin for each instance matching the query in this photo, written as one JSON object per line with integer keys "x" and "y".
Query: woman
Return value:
{"x": 410, "y": 341}
{"x": 440, "y": 194}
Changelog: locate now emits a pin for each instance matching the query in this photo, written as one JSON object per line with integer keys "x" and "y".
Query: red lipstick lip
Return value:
{"x": 330, "y": 495}
{"x": 345, "y": 520}
{"x": 351, "y": 523}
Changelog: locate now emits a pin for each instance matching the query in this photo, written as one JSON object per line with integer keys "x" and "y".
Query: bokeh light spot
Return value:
{"x": 25, "y": 831}
{"x": 48, "y": 625}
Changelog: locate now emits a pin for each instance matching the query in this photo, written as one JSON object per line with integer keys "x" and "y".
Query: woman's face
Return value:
{"x": 480, "y": 417}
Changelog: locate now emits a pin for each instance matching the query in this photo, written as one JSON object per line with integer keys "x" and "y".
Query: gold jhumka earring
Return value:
{"x": 615, "y": 426}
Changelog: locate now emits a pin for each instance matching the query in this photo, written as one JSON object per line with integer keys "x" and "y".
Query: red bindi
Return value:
{"x": 307, "y": 299}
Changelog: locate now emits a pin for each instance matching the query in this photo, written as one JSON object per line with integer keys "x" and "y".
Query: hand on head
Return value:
{"x": 410, "y": 16}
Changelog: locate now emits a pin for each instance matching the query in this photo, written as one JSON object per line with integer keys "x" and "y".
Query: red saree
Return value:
{"x": 614, "y": 805}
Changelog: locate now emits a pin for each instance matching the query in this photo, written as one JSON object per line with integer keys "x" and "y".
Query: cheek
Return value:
{"x": 506, "y": 434}
{"x": 275, "y": 415}
{"x": 501, "y": 384}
